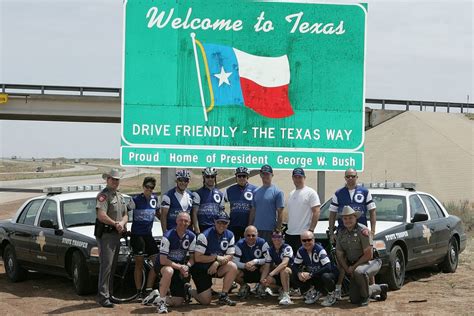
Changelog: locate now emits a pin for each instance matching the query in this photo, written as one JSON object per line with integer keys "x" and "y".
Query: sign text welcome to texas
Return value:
{"x": 227, "y": 83}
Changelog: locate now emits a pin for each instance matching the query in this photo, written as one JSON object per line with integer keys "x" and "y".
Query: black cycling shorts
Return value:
{"x": 252, "y": 276}
{"x": 142, "y": 245}
{"x": 202, "y": 279}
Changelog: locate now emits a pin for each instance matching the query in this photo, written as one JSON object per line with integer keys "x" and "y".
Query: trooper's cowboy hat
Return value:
{"x": 113, "y": 173}
{"x": 347, "y": 210}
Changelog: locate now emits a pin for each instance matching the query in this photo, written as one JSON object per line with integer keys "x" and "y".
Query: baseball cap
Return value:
{"x": 298, "y": 172}
{"x": 266, "y": 169}
{"x": 223, "y": 217}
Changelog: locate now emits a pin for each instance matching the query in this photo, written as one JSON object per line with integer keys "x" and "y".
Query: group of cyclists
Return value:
{"x": 201, "y": 241}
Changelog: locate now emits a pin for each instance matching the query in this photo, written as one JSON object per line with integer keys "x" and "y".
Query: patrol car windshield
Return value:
{"x": 80, "y": 212}
{"x": 389, "y": 208}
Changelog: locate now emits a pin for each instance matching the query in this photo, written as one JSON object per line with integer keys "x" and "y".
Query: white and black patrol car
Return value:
{"x": 54, "y": 234}
{"x": 413, "y": 230}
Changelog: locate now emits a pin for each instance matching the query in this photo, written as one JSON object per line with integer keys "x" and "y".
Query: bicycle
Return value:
{"x": 331, "y": 250}
{"x": 123, "y": 282}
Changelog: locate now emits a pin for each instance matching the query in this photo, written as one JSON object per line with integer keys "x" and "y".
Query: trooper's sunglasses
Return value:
{"x": 209, "y": 177}
{"x": 149, "y": 187}
{"x": 183, "y": 180}
{"x": 306, "y": 240}
{"x": 351, "y": 177}
{"x": 251, "y": 235}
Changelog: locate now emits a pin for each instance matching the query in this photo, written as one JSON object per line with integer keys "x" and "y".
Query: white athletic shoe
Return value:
{"x": 330, "y": 300}
{"x": 162, "y": 309}
{"x": 311, "y": 296}
{"x": 285, "y": 300}
{"x": 151, "y": 297}
{"x": 338, "y": 294}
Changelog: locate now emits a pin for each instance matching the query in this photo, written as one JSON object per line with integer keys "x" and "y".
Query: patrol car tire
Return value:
{"x": 450, "y": 263}
{"x": 15, "y": 272}
{"x": 80, "y": 274}
{"x": 396, "y": 273}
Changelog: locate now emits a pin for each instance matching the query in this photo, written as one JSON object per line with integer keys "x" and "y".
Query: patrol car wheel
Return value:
{"x": 15, "y": 272}
{"x": 80, "y": 274}
{"x": 396, "y": 276}
{"x": 450, "y": 263}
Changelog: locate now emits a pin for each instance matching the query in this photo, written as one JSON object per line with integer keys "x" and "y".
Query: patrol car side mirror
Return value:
{"x": 46, "y": 223}
{"x": 419, "y": 217}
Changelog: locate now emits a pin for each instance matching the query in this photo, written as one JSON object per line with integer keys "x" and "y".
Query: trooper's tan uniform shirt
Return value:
{"x": 113, "y": 203}
{"x": 353, "y": 243}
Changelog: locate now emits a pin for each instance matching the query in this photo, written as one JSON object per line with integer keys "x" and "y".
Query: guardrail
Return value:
{"x": 28, "y": 90}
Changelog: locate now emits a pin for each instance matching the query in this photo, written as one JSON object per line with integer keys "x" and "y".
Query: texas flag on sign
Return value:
{"x": 239, "y": 78}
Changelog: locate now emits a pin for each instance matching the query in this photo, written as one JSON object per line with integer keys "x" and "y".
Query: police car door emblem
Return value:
{"x": 41, "y": 240}
{"x": 248, "y": 196}
{"x": 426, "y": 233}
{"x": 359, "y": 198}
{"x": 224, "y": 244}
{"x": 217, "y": 198}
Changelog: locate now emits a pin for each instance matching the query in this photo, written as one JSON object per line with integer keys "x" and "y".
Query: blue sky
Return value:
{"x": 416, "y": 50}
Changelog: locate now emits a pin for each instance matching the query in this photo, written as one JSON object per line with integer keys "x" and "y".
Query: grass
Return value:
{"x": 464, "y": 209}
{"x": 470, "y": 116}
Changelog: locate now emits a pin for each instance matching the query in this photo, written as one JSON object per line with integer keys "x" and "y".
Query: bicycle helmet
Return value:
{"x": 183, "y": 174}
{"x": 241, "y": 170}
{"x": 209, "y": 171}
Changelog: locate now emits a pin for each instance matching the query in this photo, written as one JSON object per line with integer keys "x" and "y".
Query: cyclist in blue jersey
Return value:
{"x": 213, "y": 258}
{"x": 178, "y": 199}
{"x": 240, "y": 197}
{"x": 142, "y": 241}
{"x": 249, "y": 257}
{"x": 177, "y": 245}
{"x": 208, "y": 201}
{"x": 277, "y": 269}
{"x": 312, "y": 267}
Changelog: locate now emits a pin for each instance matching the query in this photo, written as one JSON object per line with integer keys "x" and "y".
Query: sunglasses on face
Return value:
{"x": 251, "y": 235}
{"x": 186, "y": 180}
{"x": 241, "y": 176}
{"x": 277, "y": 236}
{"x": 149, "y": 187}
{"x": 351, "y": 177}
{"x": 306, "y": 240}
{"x": 210, "y": 177}
{"x": 222, "y": 222}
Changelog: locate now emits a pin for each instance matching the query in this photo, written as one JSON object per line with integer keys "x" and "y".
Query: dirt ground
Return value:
{"x": 426, "y": 291}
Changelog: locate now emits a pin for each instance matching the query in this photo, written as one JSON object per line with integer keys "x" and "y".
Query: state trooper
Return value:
{"x": 111, "y": 222}
{"x": 354, "y": 252}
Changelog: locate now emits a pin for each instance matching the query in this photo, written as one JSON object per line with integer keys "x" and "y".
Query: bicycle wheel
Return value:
{"x": 123, "y": 284}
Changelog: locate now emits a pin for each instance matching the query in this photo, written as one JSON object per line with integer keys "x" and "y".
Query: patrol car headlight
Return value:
{"x": 94, "y": 252}
{"x": 379, "y": 245}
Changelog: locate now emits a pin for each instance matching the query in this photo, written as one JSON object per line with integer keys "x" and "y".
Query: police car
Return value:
{"x": 54, "y": 233}
{"x": 413, "y": 230}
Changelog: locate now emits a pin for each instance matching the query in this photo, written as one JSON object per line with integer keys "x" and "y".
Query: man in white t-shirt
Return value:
{"x": 303, "y": 210}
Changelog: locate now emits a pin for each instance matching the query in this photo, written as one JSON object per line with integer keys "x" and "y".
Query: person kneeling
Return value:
{"x": 177, "y": 245}
{"x": 213, "y": 257}
{"x": 249, "y": 257}
{"x": 313, "y": 267}
{"x": 277, "y": 267}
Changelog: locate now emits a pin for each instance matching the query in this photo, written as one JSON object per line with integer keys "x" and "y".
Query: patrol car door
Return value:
{"x": 22, "y": 237}
{"x": 45, "y": 246}
{"x": 442, "y": 231}
{"x": 421, "y": 246}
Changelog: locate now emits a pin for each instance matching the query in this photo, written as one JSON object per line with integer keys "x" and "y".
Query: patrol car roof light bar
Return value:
{"x": 74, "y": 188}
{"x": 390, "y": 185}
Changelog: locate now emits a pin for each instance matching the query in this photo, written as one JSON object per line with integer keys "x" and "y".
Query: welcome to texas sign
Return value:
{"x": 227, "y": 83}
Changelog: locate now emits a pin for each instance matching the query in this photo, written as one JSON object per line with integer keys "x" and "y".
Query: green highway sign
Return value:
{"x": 243, "y": 78}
